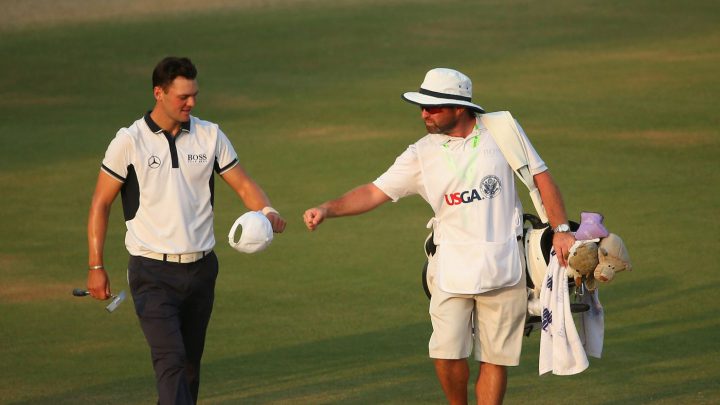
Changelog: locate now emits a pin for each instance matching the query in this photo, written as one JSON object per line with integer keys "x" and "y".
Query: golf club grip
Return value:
{"x": 79, "y": 292}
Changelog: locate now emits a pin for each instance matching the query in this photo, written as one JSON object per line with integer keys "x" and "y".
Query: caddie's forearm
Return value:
{"x": 556, "y": 210}
{"x": 356, "y": 201}
{"x": 552, "y": 199}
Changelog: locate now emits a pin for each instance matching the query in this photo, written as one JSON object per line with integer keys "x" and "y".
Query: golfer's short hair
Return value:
{"x": 171, "y": 67}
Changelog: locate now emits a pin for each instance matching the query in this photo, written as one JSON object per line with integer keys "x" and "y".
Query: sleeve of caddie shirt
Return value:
{"x": 403, "y": 178}
{"x": 118, "y": 156}
{"x": 225, "y": 155}
{"x": 535, "y": 162}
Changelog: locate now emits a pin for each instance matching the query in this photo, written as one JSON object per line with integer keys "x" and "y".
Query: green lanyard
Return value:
{"x": 468, "y": 174}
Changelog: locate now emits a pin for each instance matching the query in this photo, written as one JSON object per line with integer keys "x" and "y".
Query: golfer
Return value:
{"x": 163, "y": 166}
{"x": 476, "y": 276}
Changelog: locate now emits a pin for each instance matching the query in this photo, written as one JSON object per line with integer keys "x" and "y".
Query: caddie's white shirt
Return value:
{"x": 168, "y": 184}
{"x": 478, "y": 214}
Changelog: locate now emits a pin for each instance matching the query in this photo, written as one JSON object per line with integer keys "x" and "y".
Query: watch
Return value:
{"x": 562, "y": 228}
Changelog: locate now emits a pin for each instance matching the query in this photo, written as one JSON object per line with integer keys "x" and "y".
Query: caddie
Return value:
{"x": 476, "y": 275}
{"x": 163, "y": 165}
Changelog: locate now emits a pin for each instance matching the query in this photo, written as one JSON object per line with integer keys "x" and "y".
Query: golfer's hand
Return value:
{"x": 314, "y": 217}
{"x": 277, "y": 222}
{"x": 562, "y": 242}
{"x": 98, "y": 284}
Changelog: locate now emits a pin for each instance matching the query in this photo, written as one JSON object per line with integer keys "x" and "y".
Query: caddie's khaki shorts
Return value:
{"x": 498, "y": 319}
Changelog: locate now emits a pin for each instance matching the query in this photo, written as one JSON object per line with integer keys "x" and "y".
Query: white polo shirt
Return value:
{"x": 168, "y": 184}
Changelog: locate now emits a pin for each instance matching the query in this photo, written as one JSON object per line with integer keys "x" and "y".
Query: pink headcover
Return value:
{"x": 591, "y": 226}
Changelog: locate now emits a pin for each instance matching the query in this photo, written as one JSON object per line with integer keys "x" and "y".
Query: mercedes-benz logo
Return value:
{"x": 154, "y": 162}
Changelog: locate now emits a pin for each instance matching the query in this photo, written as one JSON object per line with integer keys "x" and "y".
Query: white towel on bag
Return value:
{"x": 592, "y": 325}
{"x": 561, "y": 350}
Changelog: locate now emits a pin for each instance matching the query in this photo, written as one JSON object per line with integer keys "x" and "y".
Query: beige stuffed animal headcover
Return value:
{"x": 584, "y": 257}
{"x": 582, "y": 262}
{"x": 613, "y": 256}
{"x": 591, "y": 262}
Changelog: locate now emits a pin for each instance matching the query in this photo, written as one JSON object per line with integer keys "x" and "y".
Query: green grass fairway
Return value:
{"x": 620, "y": 98}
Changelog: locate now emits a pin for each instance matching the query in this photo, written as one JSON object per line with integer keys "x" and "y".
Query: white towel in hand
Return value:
{"x": 561, "y": 350}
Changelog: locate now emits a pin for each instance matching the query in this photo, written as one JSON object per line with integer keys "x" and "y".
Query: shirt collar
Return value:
{"x": 444, "y": 139}
{"x": 155, "y": 128}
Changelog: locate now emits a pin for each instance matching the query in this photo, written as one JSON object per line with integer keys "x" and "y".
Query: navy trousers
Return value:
{"x": 173, "y": 302}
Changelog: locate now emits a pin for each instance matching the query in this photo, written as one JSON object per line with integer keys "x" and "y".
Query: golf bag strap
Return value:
{"x": 505, "y": 132}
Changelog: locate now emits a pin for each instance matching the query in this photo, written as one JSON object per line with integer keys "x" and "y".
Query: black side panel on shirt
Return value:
{"x": 130, "y": 193}
{"x": 212, "y": 184}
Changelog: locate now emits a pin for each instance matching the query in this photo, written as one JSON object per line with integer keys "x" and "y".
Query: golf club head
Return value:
{"x": 79, "y": 292}
{"x": 579, "y": 307}
{"x": 117, "y": 300}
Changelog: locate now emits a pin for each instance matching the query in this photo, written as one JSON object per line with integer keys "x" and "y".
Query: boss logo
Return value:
{"x": 197, "y": 159}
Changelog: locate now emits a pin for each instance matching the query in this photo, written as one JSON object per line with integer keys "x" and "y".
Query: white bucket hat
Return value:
{"x": 256, "y": 232}
{"x": 444, "y": 87}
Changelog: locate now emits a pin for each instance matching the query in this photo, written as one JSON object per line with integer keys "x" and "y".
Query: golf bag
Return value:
{"x": 537, "y": 239}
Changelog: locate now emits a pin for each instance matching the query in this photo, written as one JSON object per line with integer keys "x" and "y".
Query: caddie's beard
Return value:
{"x": 442, "y": 128}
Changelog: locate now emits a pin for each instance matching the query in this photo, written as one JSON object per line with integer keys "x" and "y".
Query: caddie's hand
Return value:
{"x": 314, "y": 217}
{"x": 98, "y": 284}
{"x": 562, "y": 242}
{"x": 277, "y": 222}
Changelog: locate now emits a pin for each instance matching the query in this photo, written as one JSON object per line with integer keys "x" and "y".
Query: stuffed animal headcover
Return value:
{"x": 613, "y": 257}
{"x": 590, "y": 261}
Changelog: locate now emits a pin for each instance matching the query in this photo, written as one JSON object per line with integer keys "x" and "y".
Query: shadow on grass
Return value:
{"x": 385, "y": 366}
{"x": 661, "y": 360}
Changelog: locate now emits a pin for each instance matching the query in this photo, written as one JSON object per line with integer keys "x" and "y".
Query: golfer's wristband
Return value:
{"x": 98, "y": 267}
{"x": 268, "y": 210}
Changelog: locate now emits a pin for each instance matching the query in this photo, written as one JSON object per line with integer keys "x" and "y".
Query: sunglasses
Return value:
{"x": 433, "y": 109}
